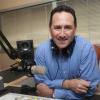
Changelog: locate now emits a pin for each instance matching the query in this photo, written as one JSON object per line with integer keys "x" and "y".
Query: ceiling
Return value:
{"x": 6, "y": 5}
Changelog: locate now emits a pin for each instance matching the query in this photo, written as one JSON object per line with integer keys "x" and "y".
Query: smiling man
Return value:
{"x": 70, "y": 60}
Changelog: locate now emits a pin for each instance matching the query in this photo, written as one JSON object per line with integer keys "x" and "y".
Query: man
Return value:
{"x": 70, "y": 60}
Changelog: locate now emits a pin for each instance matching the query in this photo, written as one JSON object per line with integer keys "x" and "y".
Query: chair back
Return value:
{"x": 97, "y": 48}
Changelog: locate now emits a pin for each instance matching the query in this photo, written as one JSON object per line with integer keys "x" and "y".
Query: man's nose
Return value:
{"x": 62, "y": 32}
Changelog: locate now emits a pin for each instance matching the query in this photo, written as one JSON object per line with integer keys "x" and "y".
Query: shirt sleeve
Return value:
{"x": 66, "y": 94}
{"x": 52, "y": 84}
{"x": 89, "y": 69}
{"x": 40, "y": 60}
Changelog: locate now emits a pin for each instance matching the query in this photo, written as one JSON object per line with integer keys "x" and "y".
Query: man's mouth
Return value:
{"x": 62, "y": 40}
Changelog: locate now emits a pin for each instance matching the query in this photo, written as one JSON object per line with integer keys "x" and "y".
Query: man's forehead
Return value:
{"x": 62, "y": 17}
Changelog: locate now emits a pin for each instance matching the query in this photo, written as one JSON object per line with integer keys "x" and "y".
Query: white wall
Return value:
{"x": 28, "y": 23}
{"x": 88, "y": 17}
{"x": 32, "y": 22}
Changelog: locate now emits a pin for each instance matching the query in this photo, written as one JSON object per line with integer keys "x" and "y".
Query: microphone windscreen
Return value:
{"x": 38, "y": 70}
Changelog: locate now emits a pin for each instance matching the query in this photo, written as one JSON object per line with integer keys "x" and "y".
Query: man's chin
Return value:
{"x": 62, "y": 46}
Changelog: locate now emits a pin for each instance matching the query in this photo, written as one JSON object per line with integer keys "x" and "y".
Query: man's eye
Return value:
{"x": 57, "y": 27}
{"x": 67, "y": 27}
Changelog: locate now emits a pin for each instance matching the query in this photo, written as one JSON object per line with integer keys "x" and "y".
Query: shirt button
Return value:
{"x": 64, "y": 72}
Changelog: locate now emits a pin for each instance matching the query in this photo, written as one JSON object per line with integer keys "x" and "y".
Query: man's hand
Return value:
{"x": 77, "y": 85}
{"x": 44, "y": 91}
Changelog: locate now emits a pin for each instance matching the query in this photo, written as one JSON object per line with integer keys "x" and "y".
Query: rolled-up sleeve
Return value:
{"x": 52, "y": 84}
{"x": 66, "y": 94}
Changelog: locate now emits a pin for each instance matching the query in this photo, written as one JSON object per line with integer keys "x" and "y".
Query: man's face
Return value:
{"x": 62, "y": 29}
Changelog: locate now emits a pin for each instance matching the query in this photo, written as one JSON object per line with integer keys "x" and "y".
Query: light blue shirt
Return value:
{"x": 82, "y": 65}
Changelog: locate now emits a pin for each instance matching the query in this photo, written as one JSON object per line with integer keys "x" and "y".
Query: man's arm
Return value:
{"x": 77, "y": 85}
{"x": 40, "y": 60}
{"x": 89, "y": 69}
{"x": 89, "y": 74}
{"x": 44, "y": 91}
{"x": 73, "y": 89}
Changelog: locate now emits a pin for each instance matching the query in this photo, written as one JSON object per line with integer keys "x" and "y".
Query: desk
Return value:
{"x": 13, "y": 77}
{"x": 16, "y": 96}
{"x": 18, "y": 90}
{"x": 13, "y": 89}
{"x": 9, "y": 75}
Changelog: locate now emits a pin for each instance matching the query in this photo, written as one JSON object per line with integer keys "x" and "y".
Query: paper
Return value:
{"x": 15, "y": 96}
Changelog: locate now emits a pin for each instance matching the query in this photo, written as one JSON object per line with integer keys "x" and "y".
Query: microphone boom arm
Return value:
{"x": 25, "y": 57}
{"x": 11, "y": 52}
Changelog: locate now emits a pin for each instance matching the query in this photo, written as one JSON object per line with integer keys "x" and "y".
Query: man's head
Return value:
{"x": 62, "y": 25}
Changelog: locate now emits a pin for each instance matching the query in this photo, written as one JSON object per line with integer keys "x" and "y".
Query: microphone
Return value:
{"x": 38, "y": 70}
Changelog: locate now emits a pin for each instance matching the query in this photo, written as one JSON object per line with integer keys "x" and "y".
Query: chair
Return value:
{"x": 97, "y": 48}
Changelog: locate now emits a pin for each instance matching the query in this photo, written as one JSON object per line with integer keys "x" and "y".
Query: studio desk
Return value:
{"x": 12, "y": 78}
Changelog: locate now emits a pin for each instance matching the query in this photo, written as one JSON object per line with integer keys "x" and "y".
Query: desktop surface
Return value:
{"x": 18, "y": 90}
{"x": 15, "y": 96}
{"x": 9, "y": 76}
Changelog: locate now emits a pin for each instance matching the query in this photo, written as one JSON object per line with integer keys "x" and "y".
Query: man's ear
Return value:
{"x": 49, "y": 29}
{"x": 75, "y": 29}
